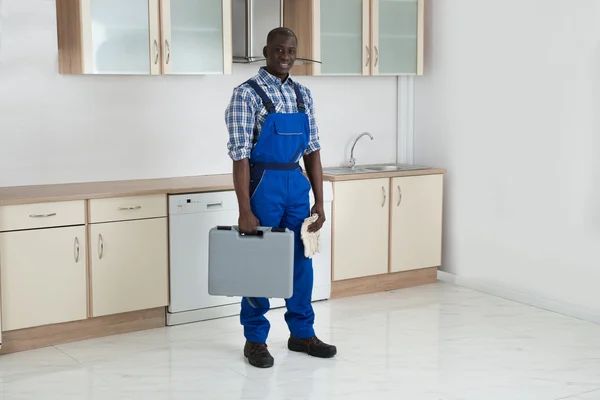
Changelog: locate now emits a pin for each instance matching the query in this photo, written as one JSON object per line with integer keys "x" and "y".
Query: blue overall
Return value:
{"x": 279, "y": 197}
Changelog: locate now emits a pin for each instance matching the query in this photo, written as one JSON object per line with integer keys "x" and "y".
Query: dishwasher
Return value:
{"x": 191, "y": 217}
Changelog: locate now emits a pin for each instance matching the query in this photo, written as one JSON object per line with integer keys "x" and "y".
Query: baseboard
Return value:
{"x": 446, "y": 277}
{"x": 231, "y": 310}
{"x": 204, "y": 314}
{"x": 382, "y": 283}
{"x": 51, "y": 335}
{"x": 521, "y": 297}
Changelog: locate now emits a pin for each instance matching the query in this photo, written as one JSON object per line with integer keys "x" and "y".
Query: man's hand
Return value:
{"x": 318, "y": 224}
{"x": 314, "y": 170}
{"x": 247, "y": 222}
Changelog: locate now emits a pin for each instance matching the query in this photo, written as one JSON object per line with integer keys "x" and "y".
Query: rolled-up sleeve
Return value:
{"x": 313, "y": 142}
{"x": 240, "y": 121}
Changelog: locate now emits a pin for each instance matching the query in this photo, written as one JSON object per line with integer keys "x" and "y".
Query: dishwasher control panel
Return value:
{"x": 202, "y": 202}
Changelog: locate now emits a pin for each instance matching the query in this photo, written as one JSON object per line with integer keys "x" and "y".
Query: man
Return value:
{"x": 271, "y": 125}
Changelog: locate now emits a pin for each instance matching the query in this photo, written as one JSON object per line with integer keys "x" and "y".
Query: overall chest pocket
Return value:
{"x": 289, "y": 125}
{"x": 290, "y": 136}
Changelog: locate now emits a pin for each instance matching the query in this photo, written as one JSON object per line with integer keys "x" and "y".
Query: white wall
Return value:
{"x": 510, "y": 105}
{"x": 56, "y": 129}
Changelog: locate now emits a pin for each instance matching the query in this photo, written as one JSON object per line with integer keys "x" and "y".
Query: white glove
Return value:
{"x": 311, "y": 240}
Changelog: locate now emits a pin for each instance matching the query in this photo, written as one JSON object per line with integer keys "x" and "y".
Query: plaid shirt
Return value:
{"x": 246, "y": 113}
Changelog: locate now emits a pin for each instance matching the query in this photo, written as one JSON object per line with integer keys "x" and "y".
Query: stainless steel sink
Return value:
{"x": 369, "y": 169}
{"x": 345, "y": 171}
{"x": 393, "y": 167}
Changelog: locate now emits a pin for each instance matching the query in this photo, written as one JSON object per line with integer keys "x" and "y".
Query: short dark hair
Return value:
{"x": 280, "y": 31}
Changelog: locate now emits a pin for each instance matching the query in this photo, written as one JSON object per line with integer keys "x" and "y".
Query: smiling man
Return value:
{"x": 271, "y": 124}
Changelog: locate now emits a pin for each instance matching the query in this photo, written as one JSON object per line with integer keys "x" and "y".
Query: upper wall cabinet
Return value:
{"x": 358, "y": 37}
{"x": 144, "y": 37}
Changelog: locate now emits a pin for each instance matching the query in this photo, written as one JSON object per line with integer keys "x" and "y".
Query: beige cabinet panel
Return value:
{"x": 129, "y": 266}
{"x": 43, "y": 277}
{"x": 128, "y": 208}
{"x": 360, "y": 228}
{"x": 416, "y": 218}
{"x": 42, "y": 215}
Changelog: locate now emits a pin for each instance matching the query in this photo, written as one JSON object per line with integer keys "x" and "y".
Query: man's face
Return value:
{"x": 280, "y": 55}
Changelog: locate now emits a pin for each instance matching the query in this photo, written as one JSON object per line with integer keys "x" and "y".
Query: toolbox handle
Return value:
{"x": 257, "y": 233}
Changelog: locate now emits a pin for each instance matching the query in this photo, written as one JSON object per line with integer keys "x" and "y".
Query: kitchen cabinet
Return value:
{"x": 360, "y": 228}
{"x": 383, "y": 225}
{"x": 416, "y": 222}
{"x": 43, "y": 270}
{"x": 129, "y": 266}
{"x": 129, "y": 257}
{"x": 358, "y": 37}
{"x": 144, "y": 37}
{"x": 397, "y": 28}
{"x": 197, "y": 36}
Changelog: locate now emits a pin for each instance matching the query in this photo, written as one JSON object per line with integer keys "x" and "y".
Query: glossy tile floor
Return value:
{"x": 428, "y": 343}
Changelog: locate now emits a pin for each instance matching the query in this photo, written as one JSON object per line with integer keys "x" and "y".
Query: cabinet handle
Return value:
{"x": 384, "y": 196}
{"x": 156, "y": 51}
{"x": 76, "y": 249}
{"x": 100, "y": 246}
{"x": 130, "y": 208}
{"x": 399, "y": 195}
{"x": 376, "y": 55}
{"x": 368, "y": 56}
{"x": 42, "y": 215}
{"x": 168, "y": 51}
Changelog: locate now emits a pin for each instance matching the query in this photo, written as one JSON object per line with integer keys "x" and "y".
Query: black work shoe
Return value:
{"x": 312, "y": 346}
{"x": 258, "y": 355}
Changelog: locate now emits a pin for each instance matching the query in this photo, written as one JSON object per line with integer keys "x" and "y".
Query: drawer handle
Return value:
{"x": 42, "y": 215}
{"x": 399, "y": 195}
{"x": 215, "y": 204}
{"x": 384, "y": 196}
{"x": 168, "y": 51}
{"x": 156, "y": 52}
{"x": 130, "y": 208}
{"x": 76, "y": 249}
{"x": 100, "y": 246}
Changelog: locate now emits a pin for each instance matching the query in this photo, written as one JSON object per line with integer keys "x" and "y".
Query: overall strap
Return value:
{"x": 261, "y": 93}
{"x": 299, "y": 99}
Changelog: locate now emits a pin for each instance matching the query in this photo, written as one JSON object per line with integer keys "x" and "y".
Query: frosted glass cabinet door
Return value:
{"x": 121, "y": 36}
{"x": 195, "y": 36}
{"x": 344, "y": 36}
{"x": 397, "y": 36}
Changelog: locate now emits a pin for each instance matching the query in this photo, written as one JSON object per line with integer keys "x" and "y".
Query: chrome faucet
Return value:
{"x": 352, "y": 159}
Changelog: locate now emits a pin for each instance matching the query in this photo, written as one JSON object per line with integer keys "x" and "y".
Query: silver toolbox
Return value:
{"x": 251, "y": 265}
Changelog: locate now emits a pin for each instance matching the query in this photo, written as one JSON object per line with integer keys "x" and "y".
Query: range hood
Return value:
{"x": 252, "y": 21}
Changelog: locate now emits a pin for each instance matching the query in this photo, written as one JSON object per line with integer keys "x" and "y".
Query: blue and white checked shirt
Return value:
{"x": 246, "y": 113}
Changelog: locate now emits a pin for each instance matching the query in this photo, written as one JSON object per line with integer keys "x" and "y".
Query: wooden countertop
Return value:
{"x": 95, "y": 190}
{"x": 14, "y": 195}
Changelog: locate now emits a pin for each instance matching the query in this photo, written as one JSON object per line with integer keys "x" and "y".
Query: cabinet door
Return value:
{"x": 360, "y": 228}
{"x": 397, "y": 36}
{"x": 43, "y": 277}
{"x": 416, "y": 234}
{"x": 129, "y": 266}
{"x": 196, "y": 36}
{"x": 121, "y": 37}
{"x": 344, "y": 33}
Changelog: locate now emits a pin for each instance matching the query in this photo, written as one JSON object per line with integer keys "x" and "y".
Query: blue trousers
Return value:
{"x": 281, "y": 199}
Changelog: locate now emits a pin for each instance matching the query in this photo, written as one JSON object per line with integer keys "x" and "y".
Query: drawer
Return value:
{"x": 42, "y": 215}
{"x": 128, "y": 208}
